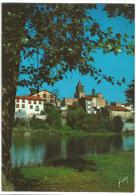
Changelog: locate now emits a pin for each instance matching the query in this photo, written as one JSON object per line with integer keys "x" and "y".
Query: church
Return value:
{"x": 91, "y": 103}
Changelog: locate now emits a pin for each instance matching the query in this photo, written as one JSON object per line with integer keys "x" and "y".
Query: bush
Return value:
{"x": 75, "y": 118}
{"x": 78, "y": 119}
{"x": 117, "y": 124}
{"x": 21, "y": 122}
{"x": 53, "y": 116}
{"x": 38, "y": 124}
{"x": 130, "y": 120}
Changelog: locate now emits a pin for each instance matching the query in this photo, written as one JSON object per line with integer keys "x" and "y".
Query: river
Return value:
{"x": 37, "y": 149}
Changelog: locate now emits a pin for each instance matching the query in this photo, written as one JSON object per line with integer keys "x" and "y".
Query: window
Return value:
{"x": 17, "y": 100}
{"x": 23, "y": 105}
{"x": 37, "y": 108}
{"x": 89, "y": 111}
{"x": 34, "y": 101}
{"x": 17, "y": 105}
{"x": 89, "y": 102}
{"x": 40, "y": 102}
{"x": 44, "y": 95}
{"x": 31, "y": 107}
{"x": 89, "y": 106}
{"x": 29, "y": 102}
{"x": 23, "y": 101}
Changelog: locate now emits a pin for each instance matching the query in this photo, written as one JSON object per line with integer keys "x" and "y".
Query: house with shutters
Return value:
{"x": 49, "y": 98}
{"x": 27, "y": 106}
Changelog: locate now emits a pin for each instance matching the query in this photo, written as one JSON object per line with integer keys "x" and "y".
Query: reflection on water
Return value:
{"x": 35, "y": 150}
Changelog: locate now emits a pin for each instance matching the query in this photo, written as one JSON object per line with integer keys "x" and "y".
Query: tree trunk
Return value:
{"x": 12, "y": 29}
{"x": 8, "y": 109}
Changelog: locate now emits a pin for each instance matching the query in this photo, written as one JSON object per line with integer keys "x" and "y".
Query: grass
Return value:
{"x": 110, "y": 168}
{"x": 64, "y": 130}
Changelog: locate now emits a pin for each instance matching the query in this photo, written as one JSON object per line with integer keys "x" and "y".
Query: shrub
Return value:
{"x": 21, "y": 122}
{"x": 38, "y": 124}
{"x": 117, "y": 124}
{"x": 53, "y": 116}
{"x": 79, "y": 119}
{"x": 75, "y": 118}
{"x": 130, "y": 120}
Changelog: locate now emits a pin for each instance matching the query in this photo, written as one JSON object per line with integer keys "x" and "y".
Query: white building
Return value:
{"x": 27, "y": 106}
{"x": 49, "y": 97}
{"x": 119, "y": 111}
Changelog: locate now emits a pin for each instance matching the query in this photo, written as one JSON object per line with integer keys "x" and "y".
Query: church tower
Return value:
{"x": 79, "y": 90}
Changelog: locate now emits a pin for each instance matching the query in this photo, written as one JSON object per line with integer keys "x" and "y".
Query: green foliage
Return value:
{"x": 130, "y": 120}
{"x": 117, "y": 124}
{"x": 38, "y": 124}
{"x": 53, "y": 116}
{"x": 126, "y": 10}
{"x": 110, "y": 167}
{"x": 59, "y": 30}
{"x": 21, "y": 122}
{"x": 75, "y": 118}
{"x": 78, "y": 119}
{"x": 130, "y": 93}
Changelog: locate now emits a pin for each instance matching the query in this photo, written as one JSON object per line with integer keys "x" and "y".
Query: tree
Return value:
{"x": 130, "y": 92}
{"x": 117, "y": 124}
{"x": 53, "y": 116}
{"x": 59, "y": 31}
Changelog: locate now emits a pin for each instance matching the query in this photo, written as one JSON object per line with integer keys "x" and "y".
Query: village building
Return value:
{"x": 79, "y": 91}
{"x": 128, "y": 106}
{"x": 88, "y": 104}
{"x": 91, "y": 103}
{"x": 49, "y": 98}
{"x": 78, "y": 94}
{"x": 119, "y": 111}
{"x": 28, "y": 106}
{"x": 69, "y": 102}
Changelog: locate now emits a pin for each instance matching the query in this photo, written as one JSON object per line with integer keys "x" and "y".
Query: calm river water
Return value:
{"x": 37, "y": 149}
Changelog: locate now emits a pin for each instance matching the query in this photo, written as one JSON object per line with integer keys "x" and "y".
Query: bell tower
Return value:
{"x": 79, "y": 90}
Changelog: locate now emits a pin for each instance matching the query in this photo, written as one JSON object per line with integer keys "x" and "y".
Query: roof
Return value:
{"x": 44, "y": 91}
{"x": 87, "y": 97}
{"x": 116, "y": 108}
{"x": 29, "y": 97}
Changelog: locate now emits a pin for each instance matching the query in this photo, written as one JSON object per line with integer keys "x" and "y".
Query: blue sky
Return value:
{"x": 118, "y": 66}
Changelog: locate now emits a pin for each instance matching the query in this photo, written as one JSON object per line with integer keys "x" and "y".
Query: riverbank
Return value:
{"x": 66, "y": 130}
{"x": 110, "y": 169}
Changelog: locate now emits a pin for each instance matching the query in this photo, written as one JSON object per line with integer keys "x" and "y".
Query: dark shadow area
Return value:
{"x": 76, "y": 163}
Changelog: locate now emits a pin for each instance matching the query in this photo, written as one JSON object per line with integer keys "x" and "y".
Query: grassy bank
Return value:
{"x": 65, "y": 130}
{"x": 109, "y": 169}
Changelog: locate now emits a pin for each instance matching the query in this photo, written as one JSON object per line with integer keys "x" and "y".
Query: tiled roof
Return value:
{"x": 29, "y": 97}
{"x": 88, "y": 97}
{"x": 45, "y": 92}
{"x": 116, "y": 108}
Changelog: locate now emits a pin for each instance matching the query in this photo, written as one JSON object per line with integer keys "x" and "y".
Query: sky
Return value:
{"x": 118, "y": 66}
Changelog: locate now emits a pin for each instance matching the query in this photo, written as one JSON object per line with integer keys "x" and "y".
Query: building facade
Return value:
{"x": 69, "y": 101}
{"x": 27, "y": 106}
{"x": 79, "y": 90}
{"x": 88, "y": 104}
{"x": 119, "y": 111}
{"x": 49, "y": 98}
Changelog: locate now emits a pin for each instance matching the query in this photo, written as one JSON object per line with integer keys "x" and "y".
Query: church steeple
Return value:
{"x": 79, "y": 90}
{"x": 79, "y": 83}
